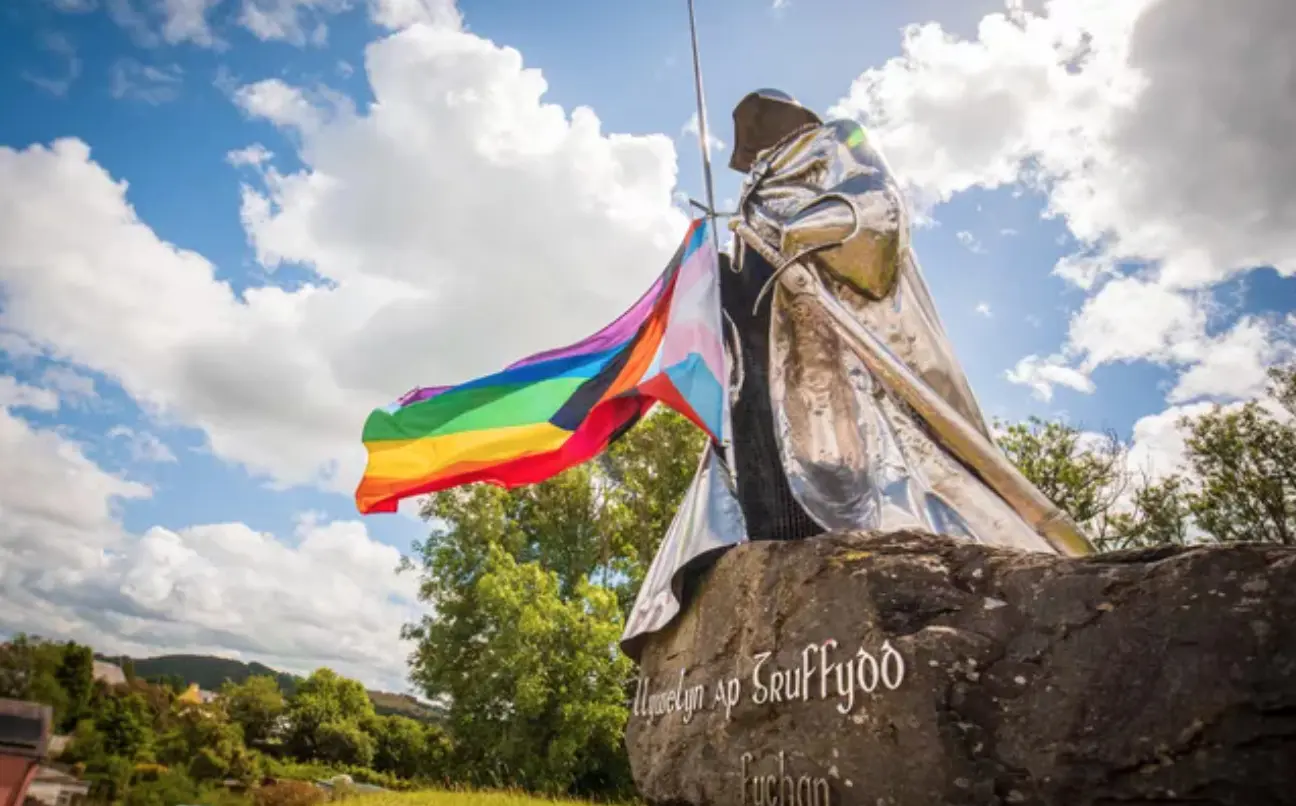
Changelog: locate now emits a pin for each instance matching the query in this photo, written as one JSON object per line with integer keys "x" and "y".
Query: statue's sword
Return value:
{"x": 956, "y": 433}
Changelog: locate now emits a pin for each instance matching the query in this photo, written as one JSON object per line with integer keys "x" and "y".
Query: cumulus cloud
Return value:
{"x": 1156, "y": 129}
{"x": 328, "y": 596}
{"x": 71, "y": 386}
{"x": 1043, "y": 374}
{"x": 395, "y": 14}
{"x": 143, "y": 446}
{"x": 458, "y": 223}
{"x": 14, "y": 394}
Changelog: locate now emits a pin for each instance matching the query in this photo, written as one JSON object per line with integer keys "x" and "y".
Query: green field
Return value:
{"x": 439, "y": 798}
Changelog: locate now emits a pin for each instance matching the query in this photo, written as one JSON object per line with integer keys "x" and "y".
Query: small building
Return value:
{"x": 53, "y": 787}
{"x": 24, "y": 744}
{"x": 109, "y": 673}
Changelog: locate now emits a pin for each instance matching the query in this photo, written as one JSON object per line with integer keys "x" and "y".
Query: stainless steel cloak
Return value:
{"x": 876, "y": 425}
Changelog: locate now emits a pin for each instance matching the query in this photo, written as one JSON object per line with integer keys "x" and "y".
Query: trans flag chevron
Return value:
{"x": 559, "y": 408}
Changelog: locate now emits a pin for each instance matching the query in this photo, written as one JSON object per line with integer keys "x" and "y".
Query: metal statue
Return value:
{"x": 848, "y": 407}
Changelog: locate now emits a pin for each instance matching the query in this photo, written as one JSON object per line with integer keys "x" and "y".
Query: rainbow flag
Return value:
{"x": 558, "y": 408}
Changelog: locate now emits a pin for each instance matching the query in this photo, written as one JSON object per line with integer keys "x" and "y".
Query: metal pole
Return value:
{"x": 702, "y": 130}
{"x": 726, "y": 444}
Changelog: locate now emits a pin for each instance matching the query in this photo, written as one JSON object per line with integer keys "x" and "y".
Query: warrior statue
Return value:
{"x": 848, "y": 408}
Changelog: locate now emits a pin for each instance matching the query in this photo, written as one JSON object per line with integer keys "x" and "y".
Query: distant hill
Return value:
{"x": 210, "y": 673}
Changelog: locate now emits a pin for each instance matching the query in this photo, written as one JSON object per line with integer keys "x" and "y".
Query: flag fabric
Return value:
{"x": 559, "y": 408}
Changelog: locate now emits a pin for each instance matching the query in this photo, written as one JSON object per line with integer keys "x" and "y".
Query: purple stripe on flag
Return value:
{"x": 410, "y": 398}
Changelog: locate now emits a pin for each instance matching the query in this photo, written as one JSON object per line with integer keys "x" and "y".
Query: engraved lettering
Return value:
{"x": 845, "y": 685}
{"x": 866, "y": 671}
{"x": 893, "y": 666}
{"x": 806, "y": 669}
{"x": 761, "y": 695}
{"x": 824, "y": 667}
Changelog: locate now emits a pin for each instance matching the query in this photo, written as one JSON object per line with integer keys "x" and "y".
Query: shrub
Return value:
{"x": 289, "y": 793}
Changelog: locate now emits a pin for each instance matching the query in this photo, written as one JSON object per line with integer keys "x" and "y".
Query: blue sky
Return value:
{"x": 1015, "y": 159}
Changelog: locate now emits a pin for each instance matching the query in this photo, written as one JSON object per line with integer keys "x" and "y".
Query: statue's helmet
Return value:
{"x": 762, "y": 119}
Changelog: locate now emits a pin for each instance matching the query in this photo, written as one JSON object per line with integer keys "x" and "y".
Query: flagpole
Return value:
{"x": 703, "y": 140}
{"x": 726, "y": 441}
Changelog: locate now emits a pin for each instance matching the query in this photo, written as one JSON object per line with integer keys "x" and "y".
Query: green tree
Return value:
{"x": 124, "y": 723}
{"x": 1159, "y": 515}
{"x": 1084, "y": 475}
{"x": 324, "y": 699}
{"x": 168, "y": 789}
{"x": 204, "y": 741}
{"x": 538, "y": 696}
{"x": 408, "y": 749}
{"x": 75, "y": 675}
{"x": 257, "y": 704}
{"x": 29, "y": 670}
{"x": 578, "y": 545}
{"x": 343, "y": 742}
{"x": 1244, "y": 464}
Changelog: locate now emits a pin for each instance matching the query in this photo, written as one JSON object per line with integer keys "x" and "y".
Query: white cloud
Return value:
{"x": 414, "y": 286}
{"x": 983, "y": 308}
{"x": 17, "y": 348}
{"x": 1042, "y": 374}
{"x": 1130, "y": 319}
{"x": 253, "y": 156}
{"x": 152, "y": 22}
{"x": 1157, "y": 447}
{"x": 14, "y": 394}
{"x": 71, "y": 385}
{"x": 70, "y": 64}
{"x": 293, "y": 21}
{"x": 690, "y": 128}
{"x": 396, "y": 14}
{"x": 134, "y": 21}
{"x": 1157, "y": 129}
{"x": 970, "y": 241}
{"x": 186, "y": 21}
{"x": 141, "y": 82}
{"x": 328, "y": 596}
{"x": 143, "y": 446}
{"x": 56, "y": 506}
{"x": 74, "y": 6}
{"x": 1234, "y": 364}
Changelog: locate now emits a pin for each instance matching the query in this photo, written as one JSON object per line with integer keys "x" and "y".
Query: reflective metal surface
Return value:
{"x": 709, "y": 520}
{"x": 760, "y": 120}
{"x": 875, "y": 423}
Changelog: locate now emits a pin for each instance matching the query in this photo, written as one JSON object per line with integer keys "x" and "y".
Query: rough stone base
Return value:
{"x": 971, "y": 675}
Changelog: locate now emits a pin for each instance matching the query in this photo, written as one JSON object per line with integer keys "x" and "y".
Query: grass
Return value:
{"x": 432, "y": 797}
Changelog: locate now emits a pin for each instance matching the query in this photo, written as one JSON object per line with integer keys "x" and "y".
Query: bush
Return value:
{"x": 167, "y": 789}
{"x": 289, "y": 793}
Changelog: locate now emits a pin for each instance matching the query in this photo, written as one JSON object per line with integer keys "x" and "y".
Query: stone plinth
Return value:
{"x": 914, "y": 670}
